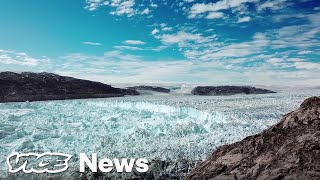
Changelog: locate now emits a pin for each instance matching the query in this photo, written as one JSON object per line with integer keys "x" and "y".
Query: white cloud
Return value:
{"x": 118, "y": 55}
{"x": 304, "y": 52}
{"x": 298, "y": 63}
{"x": 153, "y": 5}
{"x": 244, "y": 19}
{"x": 92, "y": 43}
{"x": 163, "y": 25}
{"x": 123, "y": 7}
{"x": 280, "y": 62}
{"x": 181, "y": 37}
{"x": 145, "y": 11}
{"x": 134, "y": 42}
{"x": 11, "y": 60}
{"x": 201, "y": 8}
{"x": 155, "y": 31}
{"x": 123, "y": 68}
{"x": 128, "y": 48}
{"x": 215, "y": 15}
{"x": 93, "y": 4}
{"x": 120, "y": 7}
{"x": 307, "y": 65}
{"x": 159, "y": 48}
{"x": 167, "y": 29}
{"x": 300, "y": 36}
{"x": 295, "y": 59}
{"x": 11, "y": 57}
{"x": 275, "y": 60}
{"x": 235, "y": 50}
{"x": 273, "y": 5}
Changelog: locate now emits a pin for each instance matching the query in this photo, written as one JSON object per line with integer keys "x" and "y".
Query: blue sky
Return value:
{"x": 268, "y": 42}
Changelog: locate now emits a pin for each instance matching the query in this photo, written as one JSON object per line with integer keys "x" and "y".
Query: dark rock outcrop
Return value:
{"x": 28, "y": 86}
{"x": 150, "y": 88}
{"x": 288, "y": 150}
{"x": 228, "y": 90}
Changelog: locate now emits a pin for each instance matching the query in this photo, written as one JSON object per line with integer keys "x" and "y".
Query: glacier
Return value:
{"x": 172, "y": 126}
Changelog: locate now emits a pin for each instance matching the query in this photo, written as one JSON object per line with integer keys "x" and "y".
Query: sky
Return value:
{"x": 262, "y": 42}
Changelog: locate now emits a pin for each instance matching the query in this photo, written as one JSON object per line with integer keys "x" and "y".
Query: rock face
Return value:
{"x": 150, "y": 88}
{"x": 28, "y": 86}
{"x": 227, "y": 90}
{"x": 288, "y": 150}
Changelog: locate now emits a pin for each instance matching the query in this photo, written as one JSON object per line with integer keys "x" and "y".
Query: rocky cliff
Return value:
{"x": 28, "y": 86}
{"x": 288, "y": 150}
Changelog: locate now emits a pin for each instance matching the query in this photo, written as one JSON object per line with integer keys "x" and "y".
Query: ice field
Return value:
{"x": 171, "y": 126}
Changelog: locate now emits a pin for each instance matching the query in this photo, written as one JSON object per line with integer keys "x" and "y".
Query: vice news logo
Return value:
{"x": 38, "y": 163}
{"x": 59, "y": 162}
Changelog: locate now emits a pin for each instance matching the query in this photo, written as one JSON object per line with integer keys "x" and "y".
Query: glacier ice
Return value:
{"x": 151, "y": 126}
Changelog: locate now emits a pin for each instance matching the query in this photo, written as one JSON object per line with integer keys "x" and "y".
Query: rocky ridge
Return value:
{"x": 228, "y": 90}
{"x": 29, "y": 86}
